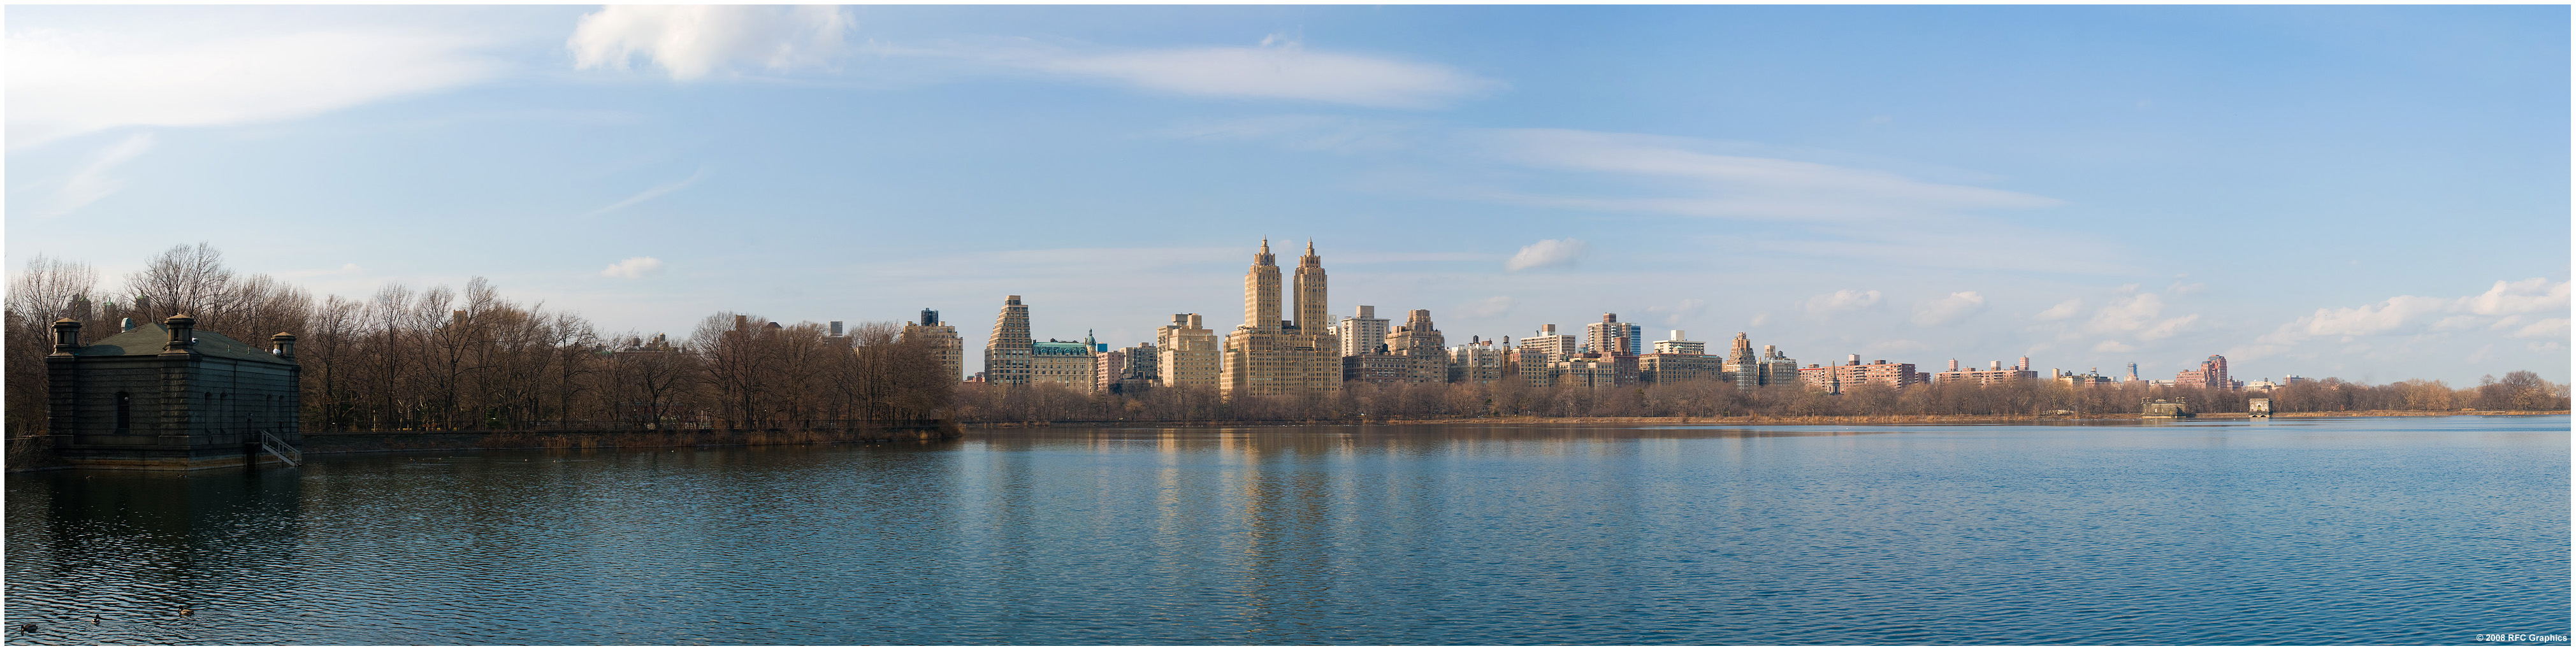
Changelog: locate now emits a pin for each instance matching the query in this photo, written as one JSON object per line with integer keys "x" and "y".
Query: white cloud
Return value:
{"x": 1278, "y": 69}
{"x": 67, "y": 83}
{"x": 1842, "y": 300}
{"x": 695, "y": 41}
{"x": 1948, "y": 309}
{"x": 92, "y": 182}
{"x": 2400, "y": 315}
{"x": 635, "y": 267}
{"x": 1491, "y": 307}
{"x": 2113, "y": 346}
{"x": 1759, "y": 320}
{"x": 2061, "y": 310}
{"x": 2134, "y": 313}
{"x": 2168, "y": 327}
{"x": 1548, "y": 253}
{"x": 2548, "y": 328}
{"x": 1340, "y": 135}
{"x": 2518, "y": 297}
{"x": 2387, "y": 316}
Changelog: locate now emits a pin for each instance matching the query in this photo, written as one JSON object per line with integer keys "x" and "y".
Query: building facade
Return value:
{"x": 1852, "y": 373}
{"x": 1186, "y": 353}
{"x": 2212, "y": 374}
{"x": 1424, "y": 350}
{"x": 940, "y": 337}
{"x": 1067, "y": 363}
{"x": 1994, "y": 373}
{"x": 1609, "y": 336}
{"x": 1363, "y": 334}
{"x": 1477, "y": 362}
{"x": 1007, "y": 351}
{"x": 166, "y": 396}
{"x": 1269, "y": 355}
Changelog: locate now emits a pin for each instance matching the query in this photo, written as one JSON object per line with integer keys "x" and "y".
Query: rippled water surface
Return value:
{"x": 2404, "y": 531}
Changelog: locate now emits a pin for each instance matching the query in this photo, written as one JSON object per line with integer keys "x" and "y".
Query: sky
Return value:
{"x": 2371, "y": 193}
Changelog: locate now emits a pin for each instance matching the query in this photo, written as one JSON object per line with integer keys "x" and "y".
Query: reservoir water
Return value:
{"x": 2330, "y": 531}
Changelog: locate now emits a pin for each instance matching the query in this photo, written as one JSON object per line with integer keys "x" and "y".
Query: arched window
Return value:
{"x": 124, "y": 411}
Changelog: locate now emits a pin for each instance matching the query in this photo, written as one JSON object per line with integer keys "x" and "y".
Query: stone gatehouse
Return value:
{"x": 166, "y": 396}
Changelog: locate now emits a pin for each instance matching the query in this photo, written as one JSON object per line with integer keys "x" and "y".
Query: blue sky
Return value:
{"x": 2376, "y": 193}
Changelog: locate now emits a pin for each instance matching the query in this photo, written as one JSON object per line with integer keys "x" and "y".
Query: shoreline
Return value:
{"x": 1745, "y": 420}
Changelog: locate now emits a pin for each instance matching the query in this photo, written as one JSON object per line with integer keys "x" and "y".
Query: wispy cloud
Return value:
{"x": 2061, "y": 310}
{"x": 652, "y": 193}
{"x": 1701, "y": 183}
{"x": 691, "y": 42}
{"x": 631, "y": 268}
{"x": 1279, "y": 68}
{"x": 1548, "y": 253}
{"x": 1948, "y": 309}
{"x": 92, "y": 182}
{"x": 1842, "y": 300}
{"x": 67, "y": 83}
{"x": 1491, "y": 307}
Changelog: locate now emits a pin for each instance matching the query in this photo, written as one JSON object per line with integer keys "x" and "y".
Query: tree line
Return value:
{"x": 443, "y": 359}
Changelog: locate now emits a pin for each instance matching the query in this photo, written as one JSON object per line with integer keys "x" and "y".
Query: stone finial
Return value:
{"x": 284, "y": 345}
{"x": 66, "y": 336}
{"x": 183, "y": 334}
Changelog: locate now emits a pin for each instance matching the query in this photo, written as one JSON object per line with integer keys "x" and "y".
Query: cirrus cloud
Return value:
{"x": 1548, "y": 253}
{"x": 695, "y": 41}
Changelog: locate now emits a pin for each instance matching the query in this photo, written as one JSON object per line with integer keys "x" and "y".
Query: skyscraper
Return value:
{"x": 1425, "y": 351}
{"x": 1006, "y": 354}
{"x": 1361, "y": 335}
{"x": 1268, "y": 355}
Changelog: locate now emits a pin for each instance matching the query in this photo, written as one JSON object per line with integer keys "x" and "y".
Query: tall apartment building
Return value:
{"x": 1607, "y": 336}
{"x": 1425, "y": 351}
{"x": 2212, "y": 374}
{"x": 1994, "y": 373}
{"x": 1006, "y": 353}
{"x": 941, "y": 338}
{"x": 1361, "y": 335}
{"x": 1476, "y": 362}
{"x": 1679, "y": 360}
{"x": 1852, "y": 373}
{"x": 1546, "y": 347}
{"x": 1269, "y": 355}
{"x": 1742, "y": 367}
{"x": 1186, "y": 353}
{"x": 1776, "y": 368}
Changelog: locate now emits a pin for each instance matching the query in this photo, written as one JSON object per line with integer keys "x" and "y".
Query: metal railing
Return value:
{"x": 278, "y": 447}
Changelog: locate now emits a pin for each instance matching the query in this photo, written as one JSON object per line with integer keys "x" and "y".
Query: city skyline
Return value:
{"x": 2374, "y": 193}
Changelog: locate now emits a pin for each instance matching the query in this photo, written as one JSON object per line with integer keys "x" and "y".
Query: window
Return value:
{"x": 124, "y": 411}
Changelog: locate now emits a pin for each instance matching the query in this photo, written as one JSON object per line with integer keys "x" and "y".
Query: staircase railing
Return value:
{"x": 277, "y": 447}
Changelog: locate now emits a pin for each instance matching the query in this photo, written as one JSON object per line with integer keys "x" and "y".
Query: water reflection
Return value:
{"x": 2294, "y": 531}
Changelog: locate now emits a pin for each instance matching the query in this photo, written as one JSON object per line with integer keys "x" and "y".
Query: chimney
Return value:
{"x": 284, "y": 345}
{"x": 183, "y": 334}
{"x": 66, "y": 336}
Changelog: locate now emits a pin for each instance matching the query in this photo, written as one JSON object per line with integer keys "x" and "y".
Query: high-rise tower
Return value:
{"x": 1006, "y": 354}
{"x": 1310, "y": 292}
{"x": 1261, "y": 291}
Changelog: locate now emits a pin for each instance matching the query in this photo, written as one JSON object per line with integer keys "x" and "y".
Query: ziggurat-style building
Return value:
{"x": 1272, "y": 356}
